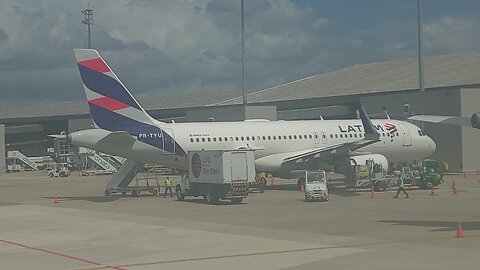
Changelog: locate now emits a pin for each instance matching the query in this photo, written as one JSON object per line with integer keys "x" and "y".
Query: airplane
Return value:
{"x": 282, "y": 148}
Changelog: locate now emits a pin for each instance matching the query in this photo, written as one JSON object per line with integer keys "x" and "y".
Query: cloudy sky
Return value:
{"x": 182, "y": 46}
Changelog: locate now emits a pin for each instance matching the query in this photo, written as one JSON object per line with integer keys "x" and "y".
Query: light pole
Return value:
{"x": 243, "y": 63}
{"x": 421, "y": 82}
{"x": 88, "y": 13}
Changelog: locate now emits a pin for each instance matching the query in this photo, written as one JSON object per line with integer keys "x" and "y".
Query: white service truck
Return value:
{"x": 217, "y": 174}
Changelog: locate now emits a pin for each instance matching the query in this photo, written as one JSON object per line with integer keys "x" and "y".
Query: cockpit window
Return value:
{"x": 420, "y": 132}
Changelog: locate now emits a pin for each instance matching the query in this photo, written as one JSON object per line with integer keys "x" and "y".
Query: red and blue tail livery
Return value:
{"x": 113, "y": 108}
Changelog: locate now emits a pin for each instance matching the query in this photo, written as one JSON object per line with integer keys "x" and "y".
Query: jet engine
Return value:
{"x": 475, "y": 120}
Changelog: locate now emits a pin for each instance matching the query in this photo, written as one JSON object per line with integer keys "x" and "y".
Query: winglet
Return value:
{"x": 370, "y": 132}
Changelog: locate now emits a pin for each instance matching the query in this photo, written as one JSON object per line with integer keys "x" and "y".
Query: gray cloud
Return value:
{"x": 194, "y": 45}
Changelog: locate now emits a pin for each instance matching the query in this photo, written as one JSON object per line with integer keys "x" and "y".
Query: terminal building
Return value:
{"x": 452, "y": 87}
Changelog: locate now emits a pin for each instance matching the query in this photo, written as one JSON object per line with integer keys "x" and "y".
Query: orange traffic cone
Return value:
{"x": 55, "y": 199}
{"x": 464, "y": 174}
{"x": 459, "y": 230}
{"x": 433, "y": 192}
{"x": 372, "y": 194}
{"x": 454, "y": 188}
{"x": 302, "y": 188}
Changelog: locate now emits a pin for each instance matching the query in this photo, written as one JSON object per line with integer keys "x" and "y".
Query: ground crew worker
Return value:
{"x": 168, "y": 186}
{"x": 401, "y": 187}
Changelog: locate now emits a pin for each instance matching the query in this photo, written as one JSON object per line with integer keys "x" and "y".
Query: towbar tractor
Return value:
{"x": 316, "y": 186}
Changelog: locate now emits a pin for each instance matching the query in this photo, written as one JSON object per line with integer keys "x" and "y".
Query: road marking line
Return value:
{"x": 60, "y": 254}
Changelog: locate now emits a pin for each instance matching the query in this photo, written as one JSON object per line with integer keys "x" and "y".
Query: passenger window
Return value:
{"x": 219, "y": 139}
{"x": 336, "y": 136}
{"x": 191, "y": 139}
{"x": 331, "y": 136}
{"x": 264, "y": 138}
{"x": 355, "y": 135}
{"x": 248, "y": 138}
{"x": 253, "y": 138}
{"x": 231, "y": 139}
{"x": 197, "y": 140}
{"x": 242, "y": 138}
{"x": 299, "y": 136}
{"x": 203, "y": 139}
{"x": 295, "y": 137}
{"x": 214, "y": 139}
{"x": 236, "y": 139}
{"x": 310, "y": 136}
{"x": 269, "y": 138}
{"x": 284, "y": 137}
{"x": 258, "y": 138}
{"x": 341, "y": 135}
{"x": 351, "y": 135}
{"x": 290, "y": 137}
{"x": 279, "y": 137}
{"x": 208, "y": 139}
{"x": 274, "y": 137}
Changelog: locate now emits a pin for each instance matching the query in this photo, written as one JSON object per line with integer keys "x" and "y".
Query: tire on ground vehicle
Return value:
{"x": 380, "y": 186}
{"x": 50, "y": 175}
{"x": 107, "y": 192}
{"x": 180, "y": 195}
{"x": 428, "y": 185}
{"x": 211, "y": 197}
{"x": 237, "y": 200}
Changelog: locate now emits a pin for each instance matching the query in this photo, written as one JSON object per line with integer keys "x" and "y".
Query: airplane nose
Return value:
{"x": 432, "y": 146}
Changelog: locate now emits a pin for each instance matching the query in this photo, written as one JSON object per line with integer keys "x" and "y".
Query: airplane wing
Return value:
{"x": 449, "y": 120}
{"x": 344, "y": 149}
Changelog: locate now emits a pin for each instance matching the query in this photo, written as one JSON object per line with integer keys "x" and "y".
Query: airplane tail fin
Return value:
{"x": 112, "y": 107}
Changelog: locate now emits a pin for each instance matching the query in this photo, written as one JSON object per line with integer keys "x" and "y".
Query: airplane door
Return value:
{"x": 168, "y": 141}
{"x": 315, "y": 137}
{"x": 407, "y": 137}
{"x": 324, "y": 138}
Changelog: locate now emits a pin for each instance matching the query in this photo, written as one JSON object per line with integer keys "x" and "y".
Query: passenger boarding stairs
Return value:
{"x": 100, "y": 161}
{"x": 124, "y": 175}
{"x": 24, "y": 159}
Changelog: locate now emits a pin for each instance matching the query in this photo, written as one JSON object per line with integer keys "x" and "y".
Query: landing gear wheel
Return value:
{"x": 237, "y": 200}
{"x": 107, "y": 192}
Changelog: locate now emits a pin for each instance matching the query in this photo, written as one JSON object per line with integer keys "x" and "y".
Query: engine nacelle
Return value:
{"x": 475, "y": 120}
{"x": 377, "y": 158}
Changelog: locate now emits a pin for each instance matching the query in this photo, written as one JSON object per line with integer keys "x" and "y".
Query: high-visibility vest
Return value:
{"x": 401, "y": 184}
{"x": 168, "y": 183}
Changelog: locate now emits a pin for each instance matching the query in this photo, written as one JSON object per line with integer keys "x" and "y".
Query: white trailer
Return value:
{"x": 216, "y": 174}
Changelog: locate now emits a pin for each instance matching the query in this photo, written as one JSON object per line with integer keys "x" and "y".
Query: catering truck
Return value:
{"x": 216, "y": 174}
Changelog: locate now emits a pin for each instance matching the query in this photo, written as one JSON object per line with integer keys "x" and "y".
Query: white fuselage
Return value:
{"x": 281, "y": 138}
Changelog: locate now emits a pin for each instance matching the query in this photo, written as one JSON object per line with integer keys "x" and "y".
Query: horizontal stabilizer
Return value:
{"x": 118, "y": 139}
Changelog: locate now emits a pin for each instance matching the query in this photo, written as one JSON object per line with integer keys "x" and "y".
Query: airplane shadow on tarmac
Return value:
{"x": 440, "y": 226}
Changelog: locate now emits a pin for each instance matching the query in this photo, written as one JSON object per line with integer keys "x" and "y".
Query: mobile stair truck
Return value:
{"x": 216, "y": 174}
{"x": 316, "y": 186}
